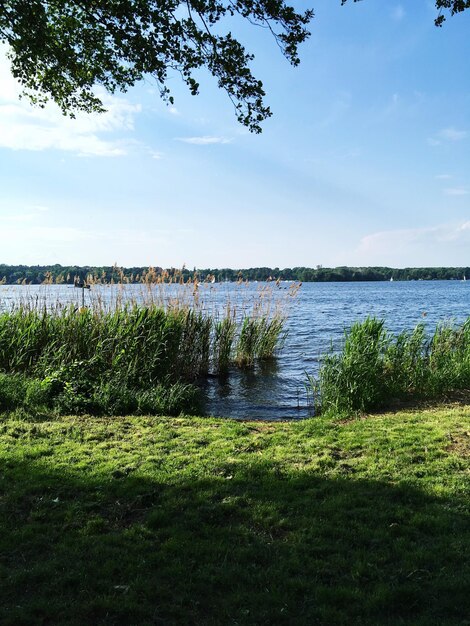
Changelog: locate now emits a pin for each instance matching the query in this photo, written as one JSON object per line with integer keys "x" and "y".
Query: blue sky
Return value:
{"x": 365, "y": 161}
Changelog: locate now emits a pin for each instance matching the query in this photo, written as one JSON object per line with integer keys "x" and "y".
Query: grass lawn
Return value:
{"x": 204, "y": 521}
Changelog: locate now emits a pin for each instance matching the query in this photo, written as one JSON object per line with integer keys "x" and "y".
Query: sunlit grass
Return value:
{"x": 189, "y": 521}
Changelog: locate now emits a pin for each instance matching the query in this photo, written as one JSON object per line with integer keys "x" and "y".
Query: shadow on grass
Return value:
{"x": 450, "y": 399}
{"x": 255, "y": 547}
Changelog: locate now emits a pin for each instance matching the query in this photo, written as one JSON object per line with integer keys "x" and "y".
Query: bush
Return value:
{"x": 18, "y": 391}
{"x": 51, "y": 395}
{"x": 40, "y": 393}
{"x": 113, "y": 399}
{"x": 353, "y": 380}
{"x": 13, "y": 390}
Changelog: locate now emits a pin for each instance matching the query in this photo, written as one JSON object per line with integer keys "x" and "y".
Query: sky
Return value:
{"x": 366, "y": 160}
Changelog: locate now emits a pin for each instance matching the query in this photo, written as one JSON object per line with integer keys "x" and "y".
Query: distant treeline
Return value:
{"x": 37, "y": 274}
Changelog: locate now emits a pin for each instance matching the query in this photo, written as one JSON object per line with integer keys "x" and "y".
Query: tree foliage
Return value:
{"x": 62, "y": 49}
{"x": 450, "y": 6}
{"x": 37, "y": 274}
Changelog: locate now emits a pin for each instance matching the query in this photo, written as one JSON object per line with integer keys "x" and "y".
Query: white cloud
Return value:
{"x": 456, "y": 191}
{"x": 40, "y": 207}
{"x": 155, "y": 154}
{"x": 24, "y": 127}
{"x": 444, "y": 177}
{"x": 44, "y": 243}
{"x": 446, "y": 135}
{"x": 15, "y": 218}
{"x": 204, "y": 140}
{"x": 173, "y": 110}
{"x": 22, "y": 213}
{"x": 445, "y": 232}
{"x": 445, "y": 244}
{"x": 398, "y": 13}
{"x": 452, "y": 134}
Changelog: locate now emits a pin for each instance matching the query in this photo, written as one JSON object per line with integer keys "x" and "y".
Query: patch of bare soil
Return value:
{"x": 460, "y": 444}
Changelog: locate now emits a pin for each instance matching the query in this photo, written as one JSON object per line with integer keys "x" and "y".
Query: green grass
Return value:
{"x": 140, "y": 345}
{"x": 203, "y": 521}
{"x": 132, "y": 359}
{"x": 375, "y": 368}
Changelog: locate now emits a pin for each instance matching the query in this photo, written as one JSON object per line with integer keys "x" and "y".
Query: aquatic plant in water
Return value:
{"x": 163, "y": 338}
{"x": 376, "y": 368}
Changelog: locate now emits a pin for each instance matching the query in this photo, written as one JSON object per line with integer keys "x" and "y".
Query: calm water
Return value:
{"x": 317, "y": 319}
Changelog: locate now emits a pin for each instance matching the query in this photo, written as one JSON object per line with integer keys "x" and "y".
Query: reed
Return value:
{"x": 376, "y": 368}
{"x": 259, "y": 337}
{"x": 133, "y": 351}
{"x": 225, "y": 330}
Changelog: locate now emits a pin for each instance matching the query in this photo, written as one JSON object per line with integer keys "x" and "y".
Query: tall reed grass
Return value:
{"x": 132, "y": 350}
{"x": 140, "y": 344}
{"x": 376, "y": 368}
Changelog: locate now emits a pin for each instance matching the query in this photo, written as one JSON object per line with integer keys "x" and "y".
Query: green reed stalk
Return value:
{"x": 224, "y": 336}
{"x": 376, "y": 368}
{"x": 108, "y": 355}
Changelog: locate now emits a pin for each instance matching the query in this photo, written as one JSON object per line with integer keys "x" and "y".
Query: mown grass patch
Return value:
{"x": 202, "y": 521}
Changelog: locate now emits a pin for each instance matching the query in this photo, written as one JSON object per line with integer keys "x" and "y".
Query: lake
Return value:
{"x": 317, "y": 317}
{"x": 317, "y": 320}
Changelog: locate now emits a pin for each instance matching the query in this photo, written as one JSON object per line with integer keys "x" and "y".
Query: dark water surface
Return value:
{"x": 317, "y": 318}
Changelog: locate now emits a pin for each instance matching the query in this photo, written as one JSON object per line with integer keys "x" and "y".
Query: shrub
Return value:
{"x": 40, "y": 393}
{"x": 113, "y": 399}
{"x": 13, "y": 391}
